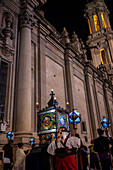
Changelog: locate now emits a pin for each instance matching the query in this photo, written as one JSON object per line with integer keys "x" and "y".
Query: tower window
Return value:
{"x": 3, "y": 81}
{"x": 97, "y": 28}
{"x": 103, "y": 57}
{"x": 89, "y": 26}
{"x": 103, "y": 19}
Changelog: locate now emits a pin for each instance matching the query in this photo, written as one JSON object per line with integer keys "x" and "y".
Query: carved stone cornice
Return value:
{"x": 34, "y": 3}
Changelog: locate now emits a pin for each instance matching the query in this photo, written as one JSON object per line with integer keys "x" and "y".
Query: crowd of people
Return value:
{"x": 65, "y": 153}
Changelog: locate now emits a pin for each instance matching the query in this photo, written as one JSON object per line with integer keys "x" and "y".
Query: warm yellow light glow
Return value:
{"x": 103, "y": 19}
{"x": 67, "y": 103}
{"x": 89, "y": 26}
{"x": 103, "y": 57}
{"x": 37, "y": 103}
{"x": 97, "y": 28}
{"x": 54, "y": 98}
{"x": 51, "y": 89}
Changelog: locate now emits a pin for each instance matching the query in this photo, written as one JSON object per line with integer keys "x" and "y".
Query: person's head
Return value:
{"x": 33, "y": 145}
{"x": 10, "y": 142}
{"x": 100, "y": 132}
{"x": 20, "y": 145}
{"x": 77, "y": 135}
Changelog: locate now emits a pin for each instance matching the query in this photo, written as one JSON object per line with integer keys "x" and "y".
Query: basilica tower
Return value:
{"x": 101, "y": 34}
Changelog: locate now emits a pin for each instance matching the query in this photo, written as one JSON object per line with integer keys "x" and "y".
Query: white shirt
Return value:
{"x": 72, "y": 142}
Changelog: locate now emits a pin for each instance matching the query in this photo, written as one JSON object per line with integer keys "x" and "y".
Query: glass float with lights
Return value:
{"x": 31, "y": 141}
{"x": 74, "y": 118}
{"x": 9, "y": 135}
{"x": 50, "y": 119}
{"x": 106, "y": 123}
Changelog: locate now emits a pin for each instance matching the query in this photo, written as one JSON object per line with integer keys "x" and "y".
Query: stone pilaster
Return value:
{"x": 95, "y": 76}
{"x": 42, "y": 67}
{"x": 109, "y": 114}
{"x": 90, "y": 102}
{"x": 69, "y": 78}
{"x": 69, "y": 81}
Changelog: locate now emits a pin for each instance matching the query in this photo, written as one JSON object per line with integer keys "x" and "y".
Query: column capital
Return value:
{"x": 26, "y": 19}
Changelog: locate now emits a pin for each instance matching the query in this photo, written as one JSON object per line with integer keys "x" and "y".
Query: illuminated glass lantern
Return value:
{"x": 50, "y": 119}
{"x": 9, "y": 135}
{"x": 31, "y": 141}
{"x": 105, "y": 122}
{"x": 74, "y": 117}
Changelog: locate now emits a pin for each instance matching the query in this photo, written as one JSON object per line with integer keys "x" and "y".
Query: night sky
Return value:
{"x": 70, "y": 14}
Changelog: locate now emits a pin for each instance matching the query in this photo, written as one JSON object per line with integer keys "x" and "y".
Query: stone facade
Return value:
{"x": 40, "y": 59}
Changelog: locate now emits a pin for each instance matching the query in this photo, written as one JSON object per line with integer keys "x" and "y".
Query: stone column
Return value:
{"x": 23, "y": 114}
{"x": 100, "y": 20}
{"x": 107, "y": 20}
{"x": 92, "y": 23}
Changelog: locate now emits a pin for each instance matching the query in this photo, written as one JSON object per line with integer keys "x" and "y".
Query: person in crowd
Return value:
{"x": 8, "y": 155}
{"x": 20, "y": 158}
{"x": 85, "y": 152}
{"x": 33, "y": 159}
{"x": 94, "y": 157}
{"x": 62, "y": 149}
{"x": 79, "y": 154}
{"x": 44, "y": 156}
{"x": 82, "y": 155}
{"x": 101, "y": 145}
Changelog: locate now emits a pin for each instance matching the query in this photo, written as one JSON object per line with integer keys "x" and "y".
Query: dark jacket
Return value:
{"x": 8, "y": 152}
{"x": 101, "y": 144}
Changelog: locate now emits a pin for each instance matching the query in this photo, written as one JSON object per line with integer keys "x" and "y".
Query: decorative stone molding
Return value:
{"x": 7, "y": 32}
{"x": 7, "y": 51}
{"x": 76, "y": 43}
{"x": 65, "y": 37}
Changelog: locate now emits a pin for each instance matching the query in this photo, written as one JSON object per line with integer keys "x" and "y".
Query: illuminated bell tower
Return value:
{"x": 101, "y": 34}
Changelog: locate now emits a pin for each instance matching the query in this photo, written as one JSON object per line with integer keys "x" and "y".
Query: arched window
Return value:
{"x": 97, "y": 28}
{"x": 103, "y": 19}
{"x": 103, "y": 56}
{"x": 89, "y": 26}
